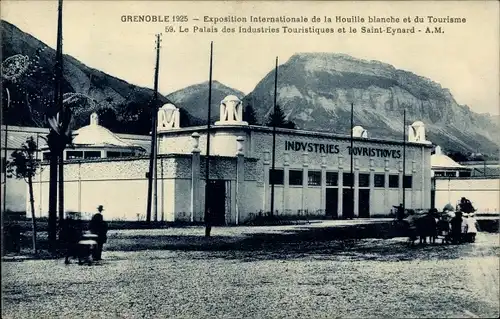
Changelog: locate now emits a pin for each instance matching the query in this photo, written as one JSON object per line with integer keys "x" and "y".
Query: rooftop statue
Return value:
{"x": 231, "y": 111}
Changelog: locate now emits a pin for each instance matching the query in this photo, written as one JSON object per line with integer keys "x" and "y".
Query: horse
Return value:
{"x": 422, "y": 227}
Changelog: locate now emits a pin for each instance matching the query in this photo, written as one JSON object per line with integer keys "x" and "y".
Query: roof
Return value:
{"x": 440, "y": 160}
{"x": 96, "y": 135}
{"x": 443, "y": 161}
{"x": 15, "y": 138}
{"x": 296, "y": 132}
{"x": 17, "y": 135}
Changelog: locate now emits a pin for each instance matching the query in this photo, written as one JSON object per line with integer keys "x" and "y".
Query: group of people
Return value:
{"x": 461, "y": 228}
{"x": 71, "y": 232}
{"x": 454, "y": 226}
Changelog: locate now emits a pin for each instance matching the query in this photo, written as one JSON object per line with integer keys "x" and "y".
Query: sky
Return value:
{"x": 464, "y": 59}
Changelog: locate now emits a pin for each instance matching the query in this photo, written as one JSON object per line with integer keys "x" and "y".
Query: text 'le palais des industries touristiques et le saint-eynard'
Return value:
{"x": 298, "y": 25}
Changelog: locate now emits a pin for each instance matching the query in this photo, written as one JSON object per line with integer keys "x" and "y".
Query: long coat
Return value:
{"x": 99, "y": 227}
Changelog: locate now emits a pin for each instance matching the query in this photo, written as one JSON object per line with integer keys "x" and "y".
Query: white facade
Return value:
{"x": 16, "y": 189}
{"x": 483, "y": 192}
{"x": 312, "y": 173}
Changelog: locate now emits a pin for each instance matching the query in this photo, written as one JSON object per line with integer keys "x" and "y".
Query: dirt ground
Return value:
{"x": 259, "y": 272}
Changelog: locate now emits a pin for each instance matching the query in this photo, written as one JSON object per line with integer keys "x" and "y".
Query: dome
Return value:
{"x": 96, "y": 135}
{"x": 418, "y": 123}
{"x": 440, "y": 160}
{"x": 359, "y": 131}
{"x": 168, "y": 106}
{"x": 231, "y": 98}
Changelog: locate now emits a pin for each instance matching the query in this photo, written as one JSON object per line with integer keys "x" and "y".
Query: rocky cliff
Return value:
{"x": 316, "y": 90}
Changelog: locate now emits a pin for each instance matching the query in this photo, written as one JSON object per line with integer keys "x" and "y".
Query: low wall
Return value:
{"x": 482, "y": 192}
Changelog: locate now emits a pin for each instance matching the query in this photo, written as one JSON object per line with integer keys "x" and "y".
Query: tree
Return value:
{"x": 278, "y": 119}
{"x": 458, "y": 156}
{"x": 249, "y": 115}
{"x": 184, "y": 118}
{"x": 24, "y": 165}
{"x": 107, "y": 118}
{"x": 58, "y": 138}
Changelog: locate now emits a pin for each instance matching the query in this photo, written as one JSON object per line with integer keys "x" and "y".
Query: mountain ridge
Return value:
{"x": 316, "y": 91}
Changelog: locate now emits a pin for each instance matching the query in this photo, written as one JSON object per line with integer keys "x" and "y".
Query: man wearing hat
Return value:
{"x": 99, "y": 227}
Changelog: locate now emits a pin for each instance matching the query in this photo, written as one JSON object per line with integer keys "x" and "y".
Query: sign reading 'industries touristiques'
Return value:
{"x": 335, "y": 149}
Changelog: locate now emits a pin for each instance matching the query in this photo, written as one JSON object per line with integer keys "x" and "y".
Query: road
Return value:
{"x": 276, "y": 278}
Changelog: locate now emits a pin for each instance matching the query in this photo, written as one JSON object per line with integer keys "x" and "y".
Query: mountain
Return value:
{"x": 194, "y": 100}
{"x": 315, "y": 90}
{"x": 29, "y": 63}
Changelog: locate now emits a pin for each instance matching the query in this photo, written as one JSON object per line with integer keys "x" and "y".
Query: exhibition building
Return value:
{"x": 312, "y": 171}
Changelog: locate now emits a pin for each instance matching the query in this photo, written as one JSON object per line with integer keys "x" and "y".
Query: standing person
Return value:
{"x": 464, "y": 227}
{"x": 472, "y": 228}
{"x": 456, "y": 228}
{"x": 70, "y": 235}
{"x": 443, "y": 226}
{"x": 400, "y": 212}
{"x": 99, "y": 227}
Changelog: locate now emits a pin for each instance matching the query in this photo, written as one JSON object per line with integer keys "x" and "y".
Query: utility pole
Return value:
{"x": 351, "y": 214}
{"x": 273, "y": 172}
{"x": 54, "y": 138}
{"x": 155, "y": 168}
{"x": 59, "y": 76}
{"x": 154, "y": 115}
{"x": 4, "y": 163}
{"x": 404, "y": 158}
{"x": 208, "y": 214}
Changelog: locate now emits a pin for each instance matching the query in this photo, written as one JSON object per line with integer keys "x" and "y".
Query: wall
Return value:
{"x": 119, "y": 184}
{"x": 482, "y": 192}
{"x": 16, "y": 194}
{"x": 332, "y": 154}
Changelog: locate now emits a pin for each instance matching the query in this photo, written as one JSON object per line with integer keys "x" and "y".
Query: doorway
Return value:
{"x": 332, "y": 199}
{"x": 347, "y": 203}
{"x": 364, "y": 203}
{"x": 217, "y": 202}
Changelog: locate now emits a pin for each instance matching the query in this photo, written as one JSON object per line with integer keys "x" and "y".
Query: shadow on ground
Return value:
{"x": 379, "y": 241}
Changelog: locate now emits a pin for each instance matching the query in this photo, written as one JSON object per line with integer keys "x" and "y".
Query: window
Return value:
{"x": 74, "y": 154}
{"x": 379, "y": 180}
{"x": 118, "y": 154}
{"x": 364, "y": 180}
{"x": 332, "y": 179}
{"x": 393, "y": 181}
{"x": 408, "y": 181}
{"x": 113, "y": 154}
{"x": 92, "y": 154}
{"x": 46, "y": 156}
{"x": 464, "y": 174}
{"x": 314, "y": 178}
{"x": 348, "y": 179}
{"x": 276, "y": 176}
{"x": 295, "y": 177}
